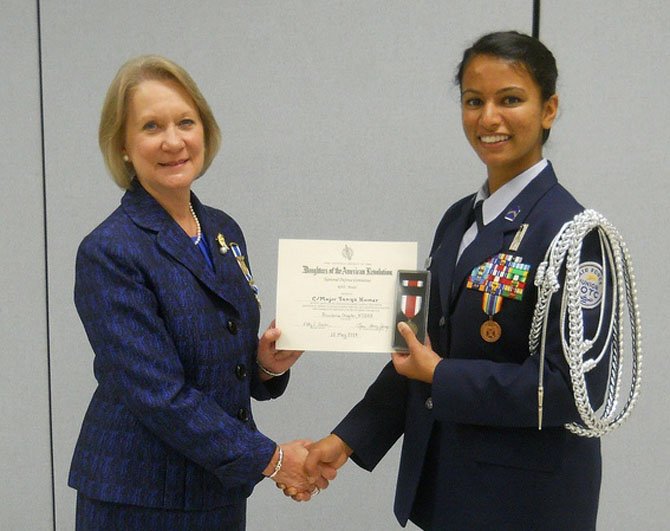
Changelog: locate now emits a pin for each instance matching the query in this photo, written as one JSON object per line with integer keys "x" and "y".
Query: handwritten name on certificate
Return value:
{"x": 339, "y": 295}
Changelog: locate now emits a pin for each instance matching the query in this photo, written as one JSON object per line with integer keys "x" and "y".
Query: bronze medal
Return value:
{"x": 413, "y": 326}
{"x": 490, "y": 331}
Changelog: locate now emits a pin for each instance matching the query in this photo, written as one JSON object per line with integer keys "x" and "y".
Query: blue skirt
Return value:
{"x": 97, "y": 515}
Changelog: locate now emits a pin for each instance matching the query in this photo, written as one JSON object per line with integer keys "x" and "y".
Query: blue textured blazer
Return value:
{"x": 175, "y": 343}
{"x": 472, "y": 455}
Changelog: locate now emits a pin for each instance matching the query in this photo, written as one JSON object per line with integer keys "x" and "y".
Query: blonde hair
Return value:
{"x": 111, "y": 133}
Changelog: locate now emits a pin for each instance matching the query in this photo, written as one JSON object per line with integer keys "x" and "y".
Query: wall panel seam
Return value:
{"x": 46, "y": 261}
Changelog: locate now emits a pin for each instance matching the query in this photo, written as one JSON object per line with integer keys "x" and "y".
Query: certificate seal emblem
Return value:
{"x": 490, "y": 331}
{"x": 590, "y": 284}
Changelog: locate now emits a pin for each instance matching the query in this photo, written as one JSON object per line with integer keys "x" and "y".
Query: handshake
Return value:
{"x": 302, "y": 469}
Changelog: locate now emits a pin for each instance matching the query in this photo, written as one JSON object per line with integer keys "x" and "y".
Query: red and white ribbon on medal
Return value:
{"x": 411, "y": 304}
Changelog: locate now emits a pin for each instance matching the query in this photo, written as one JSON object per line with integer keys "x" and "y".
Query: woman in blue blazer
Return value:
{"x": 473, "y": 457}
{"x": 164, "y": 291}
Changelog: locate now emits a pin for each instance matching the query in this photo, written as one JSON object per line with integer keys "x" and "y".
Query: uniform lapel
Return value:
{"x": 490, "y": 240}
{"x": 146, "y": 212}
{"x": 446, "y": 252}
{"x": 226, "y": 267}
{"x": 487, "y": 243}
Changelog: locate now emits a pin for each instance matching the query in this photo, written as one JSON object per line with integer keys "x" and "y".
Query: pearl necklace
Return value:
{"x": 198, "y": 230}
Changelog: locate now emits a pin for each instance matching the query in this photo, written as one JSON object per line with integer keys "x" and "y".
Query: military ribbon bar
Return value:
{"x": 503, "y": 275}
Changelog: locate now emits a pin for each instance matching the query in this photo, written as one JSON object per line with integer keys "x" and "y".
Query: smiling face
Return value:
{"x": 504, "y": 116}
{"x": 164, "y": 138}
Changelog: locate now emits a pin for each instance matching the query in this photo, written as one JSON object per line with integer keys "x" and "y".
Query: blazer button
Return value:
{"x": 232, "y": 327}
{"x": 243, "y": 414}
{"x": 443, "y": 321}
{"x": 429, "y": 403}
{"x": 241, "y": 371}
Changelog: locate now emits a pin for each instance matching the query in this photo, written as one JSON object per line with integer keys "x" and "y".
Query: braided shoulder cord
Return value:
{"x": 566, "y": 248}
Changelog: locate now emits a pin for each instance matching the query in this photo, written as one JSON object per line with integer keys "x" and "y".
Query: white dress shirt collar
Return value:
{"x": 494, "y": 204}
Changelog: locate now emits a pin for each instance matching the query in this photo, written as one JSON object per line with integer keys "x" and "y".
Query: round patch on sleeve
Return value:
{"x": 590, "y": 284}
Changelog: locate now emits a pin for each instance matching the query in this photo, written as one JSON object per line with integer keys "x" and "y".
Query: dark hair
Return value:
{"x": 522, "y": 50}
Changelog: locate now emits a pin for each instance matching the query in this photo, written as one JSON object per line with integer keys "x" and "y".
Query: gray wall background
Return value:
{"x": 336, "y": 117}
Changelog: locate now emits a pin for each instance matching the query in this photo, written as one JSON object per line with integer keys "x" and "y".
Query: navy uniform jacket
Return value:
{"x": 472, "y": 455}
{"x": 175, "y": 343}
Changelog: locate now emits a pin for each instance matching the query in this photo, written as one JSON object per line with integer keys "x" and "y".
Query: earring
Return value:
{"x": 126, "y": 158}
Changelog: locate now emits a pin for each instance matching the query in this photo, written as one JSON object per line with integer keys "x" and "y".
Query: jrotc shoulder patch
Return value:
{"x": 590, "y": 284}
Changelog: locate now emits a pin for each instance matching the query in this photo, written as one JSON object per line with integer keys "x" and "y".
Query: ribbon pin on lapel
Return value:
{"x": 223, "y": 246}
{"x": 245, "y": 270}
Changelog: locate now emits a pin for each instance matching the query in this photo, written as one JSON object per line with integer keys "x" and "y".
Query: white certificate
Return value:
{"x": 339, "y": 295}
